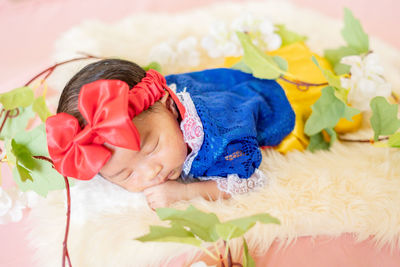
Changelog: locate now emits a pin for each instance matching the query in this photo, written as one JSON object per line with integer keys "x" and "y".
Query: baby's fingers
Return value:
{"x": 155, "y": 201}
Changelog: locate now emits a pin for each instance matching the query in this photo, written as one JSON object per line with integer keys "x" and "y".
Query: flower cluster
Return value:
{"x": 223, "y": 42}
{"x": 366, "y": 80}
{"x": 13, "y": 202}
{"x": 171, "y": 53}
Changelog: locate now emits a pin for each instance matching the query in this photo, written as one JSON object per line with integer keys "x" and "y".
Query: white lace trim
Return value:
{"x": 192, "y": 129}
{"x": 233, "y": 184}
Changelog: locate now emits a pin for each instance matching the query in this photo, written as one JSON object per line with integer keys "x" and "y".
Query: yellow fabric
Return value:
{"x": 300, "y": 65}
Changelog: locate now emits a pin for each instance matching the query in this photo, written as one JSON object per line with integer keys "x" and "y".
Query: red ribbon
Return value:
{"x": 108, "y": 107}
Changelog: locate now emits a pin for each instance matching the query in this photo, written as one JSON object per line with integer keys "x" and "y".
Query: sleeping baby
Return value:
{"x": 172, "y": 138}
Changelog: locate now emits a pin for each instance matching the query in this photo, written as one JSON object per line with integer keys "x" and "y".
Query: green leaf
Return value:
{"x": 19, "y": 97}
{"x": 334, "y": 57}
{"x": 16, "y": 124}
{"x": 238, "y": 227}
{"x": 340, "y": 69}
{"x": 333, "y": 81}
{"x": 332, "y": 134}
{"x": 23, "y": 173}
{"x": 317, "y": 142}
{"x": 45, "y": 178}
{"x": 262, "y": 65}
{"x": 282, "y": 63}
{"x": 40, "y": 107}
{"x": 394, "y": 140}
{"x": 22, "y": 155}
{"x": 153, "y": 65}
{"x": 200, "y": 223}
{"x": 384, "y": 119}
{"x": 175, "y": 233}
{"x": 10, "y": 156}
{"x": 247, "y": 259}
{"x": 288, "y": 37}
{"x": 241, "y": 66}
{"x": 327, "y": 111}
{"x": 246, "y": 223}
{"x": 353, "y": 33}
{"x": 227, "y": 231}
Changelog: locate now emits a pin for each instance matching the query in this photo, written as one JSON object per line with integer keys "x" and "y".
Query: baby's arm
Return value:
{"x": 171, "y": 191}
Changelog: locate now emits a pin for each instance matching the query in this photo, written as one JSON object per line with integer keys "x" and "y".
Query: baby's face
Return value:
{"x": 162, "y": 151}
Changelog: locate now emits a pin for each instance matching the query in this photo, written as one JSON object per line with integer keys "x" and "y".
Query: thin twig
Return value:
{"x": 65, "y": 247}
{"x": 51, "y": 69}
{"x": 44, "y": 158}
{"x": 4, "y": 120}
{"x": 362, "y": 140}
{"x": 229, "y": 256}
{"x": 8, "y": 115}
{"x": 222, "y": 260}
{"x": 301, "y": 83}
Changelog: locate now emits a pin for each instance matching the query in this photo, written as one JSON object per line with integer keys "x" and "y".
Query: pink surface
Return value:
{"x": 28, "y": 30}
{"x": 320, "y": 251}
{"x": 330, "y": 252}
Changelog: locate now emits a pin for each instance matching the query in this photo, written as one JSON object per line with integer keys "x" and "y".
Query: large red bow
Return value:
{"x": 108, "y": 106}
{"x": 80, "y": 153}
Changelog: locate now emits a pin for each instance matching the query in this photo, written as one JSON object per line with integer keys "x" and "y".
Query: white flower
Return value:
{"x": 366, "y": 81}
{"x": 266, "y": 27}
{"x": 223, "y": 42}
{"x": 273, "y": 41}
{"x": 13, "y": 202}
{"x": 11, "y": 205}
{"x": 183, "y": 53}
{"x": 163, "y": 54}
{"x": 187, "y": 52}
{"x": 30, "y": 198}
{"x": 5, "y": 202}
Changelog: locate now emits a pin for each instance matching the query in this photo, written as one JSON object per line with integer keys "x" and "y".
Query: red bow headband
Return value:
{"x": 108, "y": 106}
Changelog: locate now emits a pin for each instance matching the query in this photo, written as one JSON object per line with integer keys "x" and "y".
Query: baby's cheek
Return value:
{"x": 182, "y": 153}
{"x": 177, "y": 151}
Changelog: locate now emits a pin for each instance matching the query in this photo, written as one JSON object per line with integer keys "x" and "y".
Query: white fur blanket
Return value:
{"x": 352, "y": 188}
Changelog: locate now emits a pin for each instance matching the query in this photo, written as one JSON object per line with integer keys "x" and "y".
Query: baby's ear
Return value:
{"x": 168, "y": 102}
{"x": 164, "y": 99}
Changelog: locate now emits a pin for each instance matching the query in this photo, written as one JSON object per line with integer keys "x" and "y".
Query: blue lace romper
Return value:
{"x": 230, "y": 114}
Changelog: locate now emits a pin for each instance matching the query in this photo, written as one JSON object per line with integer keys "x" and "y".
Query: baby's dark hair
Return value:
{"x": 108, "y": 69}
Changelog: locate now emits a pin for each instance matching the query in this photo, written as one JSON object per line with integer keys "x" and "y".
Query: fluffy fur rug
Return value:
{"x": 352, "y": 188}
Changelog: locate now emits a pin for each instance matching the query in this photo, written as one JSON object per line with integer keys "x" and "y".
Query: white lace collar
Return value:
{"x": 191, "y": 127}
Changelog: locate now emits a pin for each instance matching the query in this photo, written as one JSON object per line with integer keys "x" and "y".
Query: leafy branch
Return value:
{"x": 264, "y": 66}
{"x": 194, "y": 227}
{"x": 357, "y": 43}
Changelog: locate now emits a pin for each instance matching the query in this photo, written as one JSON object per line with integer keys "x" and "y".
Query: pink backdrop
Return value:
{"x": 29, "y": 29}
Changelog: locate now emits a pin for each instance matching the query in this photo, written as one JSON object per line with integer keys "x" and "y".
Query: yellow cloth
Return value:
{"x": 300, "y": 65}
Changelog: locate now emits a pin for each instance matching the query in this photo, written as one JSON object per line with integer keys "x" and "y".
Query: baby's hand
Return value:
{"x": 165, "y": 194}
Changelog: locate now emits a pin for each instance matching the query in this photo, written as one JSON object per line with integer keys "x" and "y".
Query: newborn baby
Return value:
{"x": 205, "y": 128}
